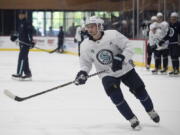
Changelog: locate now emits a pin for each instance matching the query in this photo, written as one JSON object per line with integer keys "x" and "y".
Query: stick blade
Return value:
{"x": 9, "y": 94}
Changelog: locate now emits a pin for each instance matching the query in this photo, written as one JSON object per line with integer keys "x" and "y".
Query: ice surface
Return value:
{"x": 79, "y": 110}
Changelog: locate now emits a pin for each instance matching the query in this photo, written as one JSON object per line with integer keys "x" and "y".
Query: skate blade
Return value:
{"x": 137, "y": 128}
{"x": 174, "y": 75}
{"x": 16, "y": 78}
{"x": 164, "y": 73}
{"x": 26, "y": 79}
{"x": 155, "y": 73}
{"x": 21, "y": 79}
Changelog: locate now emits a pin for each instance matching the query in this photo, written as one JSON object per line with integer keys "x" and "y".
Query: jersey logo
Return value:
{"x": 104, "y": 57}
{"x": 171, "y": 33}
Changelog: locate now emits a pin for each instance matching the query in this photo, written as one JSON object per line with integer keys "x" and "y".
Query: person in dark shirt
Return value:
{"x": 174, "y": 47}
{"x": 60, "y": 47}
{"x": 25, "y": 36}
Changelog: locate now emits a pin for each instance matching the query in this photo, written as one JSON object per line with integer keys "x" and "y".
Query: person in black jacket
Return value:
{"x": 25, "y": 36}
{"x": 60, "y": 47}
{"x": 174, "y": 47}
{"x": 60, "y": 39}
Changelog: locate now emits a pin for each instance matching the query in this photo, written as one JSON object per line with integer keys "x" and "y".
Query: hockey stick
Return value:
{"x": 19, "y": 99}
{"x": 27, "y": 44}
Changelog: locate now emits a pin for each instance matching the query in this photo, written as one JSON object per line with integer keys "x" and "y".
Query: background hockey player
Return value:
{"x": 80, "y": 35}
{"x": 25, "y": 36}
{"x": 174, "y": 46}
{"x": 162, "y": 50}
{"x": 150, "y": 41}
{"x": 154, "y": 36}
{"x": 110, "y": 50}
{"x": 60, "y": 36}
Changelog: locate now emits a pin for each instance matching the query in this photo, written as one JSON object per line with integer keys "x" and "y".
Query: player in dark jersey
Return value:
{"x": 174, "y": 46}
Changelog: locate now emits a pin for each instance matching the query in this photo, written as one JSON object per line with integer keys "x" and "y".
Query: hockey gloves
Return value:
{"x": 81, "y": 78}
{"x": 117, "y": 62}
{"x": 161, "y": 42}
{"x": 14, "y": 37}
{"x": 153, "y": 47}
{"x": 32, "y": 44}
{"x": 75, "y": 40}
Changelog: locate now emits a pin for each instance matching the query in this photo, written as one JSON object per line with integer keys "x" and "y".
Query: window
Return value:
{"x": 58, "y": 18}
{"x": 38, "y": 21}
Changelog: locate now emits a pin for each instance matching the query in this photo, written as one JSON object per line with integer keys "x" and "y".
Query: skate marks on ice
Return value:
{"x": 101, "y": 129}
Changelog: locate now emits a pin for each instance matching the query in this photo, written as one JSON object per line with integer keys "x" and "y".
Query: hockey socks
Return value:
{"x": 147, "y": 103}
{"x": 144, "y": 98}
{"x": 118, "y": 99}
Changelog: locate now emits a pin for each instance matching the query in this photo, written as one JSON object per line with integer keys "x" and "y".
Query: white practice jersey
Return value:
{"x": 101, "y": 52}
{"x": 164, "y": 26}
{"x": 78, "y": 34}
{"x": 154, "y": 38}
{"x": 161, "y": 31}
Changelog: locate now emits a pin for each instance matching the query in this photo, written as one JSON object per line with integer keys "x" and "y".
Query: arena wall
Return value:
{"x": 50, "y": 43}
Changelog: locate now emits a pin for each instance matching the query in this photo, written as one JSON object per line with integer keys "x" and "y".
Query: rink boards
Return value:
{"x": 70, "y": 47}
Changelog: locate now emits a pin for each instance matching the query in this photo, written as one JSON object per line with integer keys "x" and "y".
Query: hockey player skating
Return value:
{"x": 110, "y": 50}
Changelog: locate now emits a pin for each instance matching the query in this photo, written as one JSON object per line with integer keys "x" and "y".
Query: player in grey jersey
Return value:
{"x": 110, "y": 51}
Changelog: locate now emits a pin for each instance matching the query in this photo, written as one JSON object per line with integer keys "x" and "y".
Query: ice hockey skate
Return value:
{"x": 164, "y": 71}
{"x": 16, "y": 77}
{"x": 155, "y": 71}
{"x": 147, "y": 67}
{"x": 174, "y": 73}
{"x": 135, "y": 123}
{"x": 21, "y": 78}
{"x": 154, "y": 116}
{"x": 26, "y": 77}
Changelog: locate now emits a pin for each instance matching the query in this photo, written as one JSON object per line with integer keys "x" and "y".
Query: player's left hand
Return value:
{"x": 117, "y": 62}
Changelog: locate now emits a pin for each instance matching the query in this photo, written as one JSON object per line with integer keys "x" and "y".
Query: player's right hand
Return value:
{"x": 32, "y": 44}
{"x": 153, "y": 47}
{"x": 81, "y": 78}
